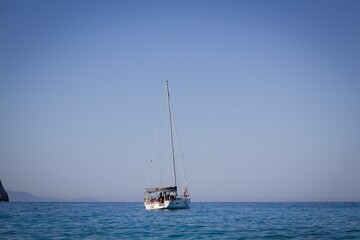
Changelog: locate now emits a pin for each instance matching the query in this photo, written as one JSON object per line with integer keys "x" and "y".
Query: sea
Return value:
{"x": 202, "y": 221}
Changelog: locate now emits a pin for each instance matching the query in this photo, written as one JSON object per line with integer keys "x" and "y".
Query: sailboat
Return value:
{"x": 167, "y": 197}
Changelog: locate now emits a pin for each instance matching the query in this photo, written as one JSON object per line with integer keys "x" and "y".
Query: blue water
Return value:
{"x": 201, "y": 221}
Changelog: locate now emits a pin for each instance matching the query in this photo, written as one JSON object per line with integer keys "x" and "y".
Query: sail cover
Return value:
{"x": 161, "y": 189}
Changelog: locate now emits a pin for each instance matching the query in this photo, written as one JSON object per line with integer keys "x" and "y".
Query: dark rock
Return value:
{"x": 4, "y": 197}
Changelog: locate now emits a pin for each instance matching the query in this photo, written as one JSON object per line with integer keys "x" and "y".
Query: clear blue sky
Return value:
{"x": 266, "y": 96}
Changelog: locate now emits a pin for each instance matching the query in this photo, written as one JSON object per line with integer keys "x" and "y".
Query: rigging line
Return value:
{"x": 159, "y": 149}
{"x": 155, "y": 147}
{"x": 181, "y": 154}
{"x": 149, "y": 172}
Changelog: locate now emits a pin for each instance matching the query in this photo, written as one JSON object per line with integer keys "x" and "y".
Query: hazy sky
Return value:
{"x": 266, "y": 96}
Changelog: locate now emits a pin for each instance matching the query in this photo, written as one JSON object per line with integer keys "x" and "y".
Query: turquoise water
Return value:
{"x": 201, "y": 221}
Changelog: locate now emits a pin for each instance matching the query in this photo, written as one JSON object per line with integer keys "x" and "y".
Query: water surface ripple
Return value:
{"x": 201, "y": 221}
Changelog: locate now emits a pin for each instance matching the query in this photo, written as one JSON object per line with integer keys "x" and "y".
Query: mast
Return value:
{"x": 171, "y": 130}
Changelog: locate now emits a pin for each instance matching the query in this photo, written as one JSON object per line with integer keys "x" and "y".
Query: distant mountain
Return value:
{"x": 15, "y": 196}
{"x": 27, "y": 197}
{"x": 86, "y": 199}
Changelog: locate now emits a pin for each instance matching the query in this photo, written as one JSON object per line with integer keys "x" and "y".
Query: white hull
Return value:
{"x": 179, "y": 203}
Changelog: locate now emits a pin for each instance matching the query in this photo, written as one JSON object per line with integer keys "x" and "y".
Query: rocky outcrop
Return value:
{"x": 4, "y": 197}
